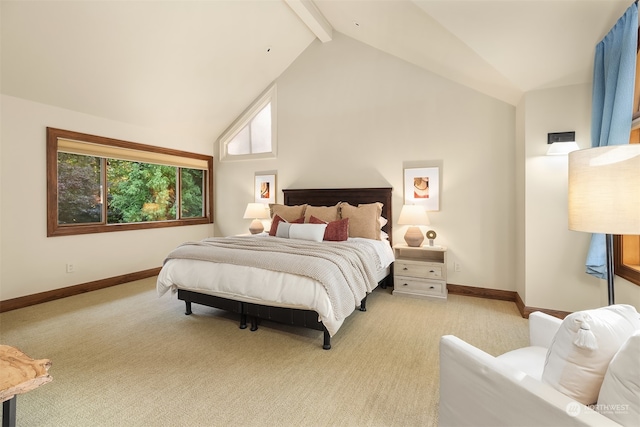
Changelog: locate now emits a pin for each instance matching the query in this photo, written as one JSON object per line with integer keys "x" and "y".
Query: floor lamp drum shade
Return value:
{"x": 604, "y": 189}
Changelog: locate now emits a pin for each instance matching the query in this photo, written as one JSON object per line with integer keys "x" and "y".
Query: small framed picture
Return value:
{"x": 265, "y": 189}
{"x": 422, "y": 187}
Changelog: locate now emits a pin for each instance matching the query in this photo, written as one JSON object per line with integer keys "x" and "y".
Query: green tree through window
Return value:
{"x": 191, "y": 191}
{"x": 79, "y": 198}
{"x": 139, "y": 192}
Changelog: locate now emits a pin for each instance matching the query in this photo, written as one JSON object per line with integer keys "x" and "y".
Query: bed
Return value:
{"x": 257, "y": 290}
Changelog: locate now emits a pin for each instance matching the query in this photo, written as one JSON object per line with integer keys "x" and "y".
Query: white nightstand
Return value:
{"x": 420, "y": 272}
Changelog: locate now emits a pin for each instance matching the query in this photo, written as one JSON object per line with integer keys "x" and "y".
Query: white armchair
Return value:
{"x": 477, "y": 389}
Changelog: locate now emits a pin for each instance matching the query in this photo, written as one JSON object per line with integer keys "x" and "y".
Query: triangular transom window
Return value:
{"x": 253, "y": 134}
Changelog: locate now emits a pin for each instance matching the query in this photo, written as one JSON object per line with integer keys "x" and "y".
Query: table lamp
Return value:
{"x": 413, "y": 215}
{"x": 256, "y": 211}
{"x": 604, "y": 195}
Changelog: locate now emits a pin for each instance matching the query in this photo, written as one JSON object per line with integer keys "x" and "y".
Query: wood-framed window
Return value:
{"x": 627, "y": 257}
{"x": 627, "y": 248}
{"x": 97, "y": 184}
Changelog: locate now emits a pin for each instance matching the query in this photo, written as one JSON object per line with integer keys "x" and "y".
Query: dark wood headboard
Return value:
{"x": 353, "y": 196}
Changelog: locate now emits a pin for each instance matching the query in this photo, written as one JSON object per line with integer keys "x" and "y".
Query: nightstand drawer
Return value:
{"x": 407, "y": 284}
{"x": 420, "y": 270}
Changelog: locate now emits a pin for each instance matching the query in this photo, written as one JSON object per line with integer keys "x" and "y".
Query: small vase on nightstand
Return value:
{"x": 431, "y": 235}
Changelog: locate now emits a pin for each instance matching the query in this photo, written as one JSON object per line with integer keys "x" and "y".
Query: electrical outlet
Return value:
{"x": 70, "y": 267}
{"x": 457, "y": 266}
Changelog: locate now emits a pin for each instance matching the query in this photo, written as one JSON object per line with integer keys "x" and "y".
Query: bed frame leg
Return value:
{"x": 327, "y": 340}
{"x": 387, "y": 281}
{"x": 363, "y": 304}
{"x": 254, "y": 323}
{"x": 188, "y": 308}
{"x": 243, "y": 321}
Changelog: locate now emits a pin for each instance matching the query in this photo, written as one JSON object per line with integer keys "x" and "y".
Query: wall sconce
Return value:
{"x": 256, "y": 211}
{"x": 561, "y": 143}
{"x": 413, "y": 215}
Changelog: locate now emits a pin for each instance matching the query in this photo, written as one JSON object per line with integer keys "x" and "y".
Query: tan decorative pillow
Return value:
{"x": 364, "y": 220}
{"x": 325, "y": 213}
{"x": 288, "y": 213}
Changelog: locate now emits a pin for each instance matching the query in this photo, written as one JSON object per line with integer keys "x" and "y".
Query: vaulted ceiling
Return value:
{"x": 192, "y": 66}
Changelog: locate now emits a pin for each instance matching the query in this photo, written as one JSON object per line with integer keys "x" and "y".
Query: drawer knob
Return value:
{"x": 431, "y": 287}
{"x": 432, "y": 271}
{"x": 405, "y": 284}
{"x": 405, "y": 268}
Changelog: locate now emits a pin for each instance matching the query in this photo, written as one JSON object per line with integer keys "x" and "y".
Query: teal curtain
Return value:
{"x": 612, "y": 109}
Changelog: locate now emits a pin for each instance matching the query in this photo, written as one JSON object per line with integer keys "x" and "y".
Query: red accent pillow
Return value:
{"x": 336, "y": 231}
{"x": 276, "y": 220}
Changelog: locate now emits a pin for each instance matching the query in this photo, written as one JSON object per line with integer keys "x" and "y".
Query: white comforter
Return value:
{"x": 262, "y": 286}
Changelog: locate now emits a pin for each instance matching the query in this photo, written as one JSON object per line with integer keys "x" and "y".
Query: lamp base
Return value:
{"x": 414, "y": 237}
{"x": 256, "y": 227}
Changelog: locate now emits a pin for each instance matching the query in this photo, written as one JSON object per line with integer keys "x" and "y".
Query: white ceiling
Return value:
{"x": 193, "y": 66}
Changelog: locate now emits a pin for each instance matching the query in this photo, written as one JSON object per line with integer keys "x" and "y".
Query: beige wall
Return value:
{"x": 554, "y": 256}
{"x": 33, "y": 263}
{"x": 350, "y": 116}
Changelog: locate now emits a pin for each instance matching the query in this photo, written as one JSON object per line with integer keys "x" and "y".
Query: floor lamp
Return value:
{"x": 604, "y": 195}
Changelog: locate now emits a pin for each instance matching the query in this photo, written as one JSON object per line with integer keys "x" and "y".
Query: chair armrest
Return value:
{"x": 476, "y": 389}
{"x": 542, "y": 329}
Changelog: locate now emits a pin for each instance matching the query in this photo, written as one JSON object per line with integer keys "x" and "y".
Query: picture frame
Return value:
{"x": 265, "y": 189}
{"x": 422, "y": 187}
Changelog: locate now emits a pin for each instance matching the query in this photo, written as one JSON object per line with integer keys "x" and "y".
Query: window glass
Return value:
{"x": 241, "y": 143}
{"x": 79, "y": 189}
{"x": 140, "y": 192}
{"x": 261, "y": 131}
{"x": 191, "y": 193}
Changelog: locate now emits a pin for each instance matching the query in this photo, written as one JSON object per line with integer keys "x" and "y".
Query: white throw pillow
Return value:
{"x": 619, "y": 397}
{"x": 312, "y": 232}
{"x": 583, "y": 347}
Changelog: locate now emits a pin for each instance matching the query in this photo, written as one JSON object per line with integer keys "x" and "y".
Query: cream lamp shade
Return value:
{"x": 604, "y": 195}
{"x": 256, "y": 211}
{"x": 604, "y": 189}
{"x": 413, "y": 215}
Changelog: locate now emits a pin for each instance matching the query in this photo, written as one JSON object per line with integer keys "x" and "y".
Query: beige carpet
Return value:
{"x": 124, "y": 357}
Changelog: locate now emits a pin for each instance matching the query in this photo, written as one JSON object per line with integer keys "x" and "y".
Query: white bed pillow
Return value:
{"x": 312, "y": 232}
{"x": 383, "y": 221}
{"x": 619, "y": 397}
{"x": 582, "y": 348}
